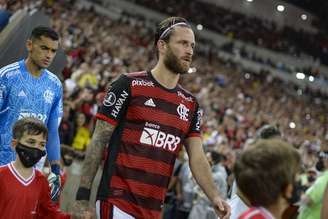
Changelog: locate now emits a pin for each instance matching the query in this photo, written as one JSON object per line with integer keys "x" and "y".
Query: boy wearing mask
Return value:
{"x": 25, "y": 192}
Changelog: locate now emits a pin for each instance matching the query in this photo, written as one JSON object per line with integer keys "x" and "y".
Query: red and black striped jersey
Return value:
{"x": 152, "y": 123}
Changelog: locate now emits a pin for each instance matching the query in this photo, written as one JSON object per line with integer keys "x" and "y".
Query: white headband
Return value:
{"x": 165, "y": 32}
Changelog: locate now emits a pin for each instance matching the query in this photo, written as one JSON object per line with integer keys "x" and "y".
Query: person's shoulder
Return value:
{"x": 140, "y": 78}
{"x": 10, "y": 70}
{"x": 136, "y": 75}
{"x": 3, "y": 168}
{"x": 4, "y": 171}
{"x": 53, "y": 78}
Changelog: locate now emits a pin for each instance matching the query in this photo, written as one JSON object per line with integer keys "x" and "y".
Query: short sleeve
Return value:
{"x": 115, "y": 103}
{"x": 195, "y": 125}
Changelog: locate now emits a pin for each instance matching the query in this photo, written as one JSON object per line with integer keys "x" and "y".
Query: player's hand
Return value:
{"x": 55, "y": 186}
{"x": 221, "y": 208}
{"x": 81, "y": 210}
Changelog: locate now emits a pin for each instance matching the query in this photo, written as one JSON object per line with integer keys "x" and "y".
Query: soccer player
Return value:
{"x": 146, "y": 118}
{"x": 266, "y": 175}
{"x": 24, "y": 190}
{"x": 28, "y": 89}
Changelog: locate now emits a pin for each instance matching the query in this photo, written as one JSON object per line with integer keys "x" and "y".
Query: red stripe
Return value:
{"x": 138, "y": 188}
{"x": 157, "y": 92}
{"x": 131, "y": 136}
{"x": 135, "y": 210}
{"x": 194, "y": 134}
{"x": 149, "y": 114}
{"x": 107, "y": 119}
{"x": 105, "y": 205}
{"x": 145, "y": 164}
{"x": 136, "y": 74}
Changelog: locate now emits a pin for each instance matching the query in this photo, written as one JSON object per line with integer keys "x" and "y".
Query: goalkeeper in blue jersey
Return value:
{"x": 28, "y": 89}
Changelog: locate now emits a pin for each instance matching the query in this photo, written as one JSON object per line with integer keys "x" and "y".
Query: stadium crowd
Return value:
{"x": 262, "y": 33}
{"x": 235, "y": 102}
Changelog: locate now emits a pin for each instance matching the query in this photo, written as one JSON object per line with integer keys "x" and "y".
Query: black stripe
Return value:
{"x": 142, "y": 176}
{"x": 148, "y": 152}
{"x": 144, "y": 202}
{"x": 114, "y": 145}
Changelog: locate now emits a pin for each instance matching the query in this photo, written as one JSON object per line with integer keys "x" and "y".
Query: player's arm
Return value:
{"x": 201, "y": 171}
{"x": 200, "y": 167}
{"x": 108, "y": 118}
{"x": 53, "y": 143}
{"x": 94, "y": 154}
{"x": 101, "y": 136}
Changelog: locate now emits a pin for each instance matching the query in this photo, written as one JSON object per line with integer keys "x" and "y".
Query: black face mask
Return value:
{"x": 319, "y": 165}
{"x": 29, "y": 156}
{"x": 311, "y": 178}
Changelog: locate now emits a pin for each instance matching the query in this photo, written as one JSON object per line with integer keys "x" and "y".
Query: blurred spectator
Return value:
{"x": 186, "y": 192}
{"x": 5, "y": 14}
{"x": 312, "y": 200}
{"x": 66, "y": 128}
{"x": 324, "y": 208}
{"x": 83, "y": 136}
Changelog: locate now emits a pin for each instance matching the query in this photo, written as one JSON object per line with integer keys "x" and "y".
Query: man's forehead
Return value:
{"x": 46, "y": 41}
{"x": 183, "y": 32}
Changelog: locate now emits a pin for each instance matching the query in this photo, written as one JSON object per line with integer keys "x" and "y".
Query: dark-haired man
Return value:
{"x": 146, "y": 118}
{"x": 28, "y": 89}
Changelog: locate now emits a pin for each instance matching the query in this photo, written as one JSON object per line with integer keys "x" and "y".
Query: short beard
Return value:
{"x": 171, "y": 62}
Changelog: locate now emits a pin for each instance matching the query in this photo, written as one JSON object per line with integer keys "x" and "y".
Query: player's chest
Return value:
{"x": 164, "y": 109}
{"x": 19, "y": 192}
{"x": 31, "y": 94}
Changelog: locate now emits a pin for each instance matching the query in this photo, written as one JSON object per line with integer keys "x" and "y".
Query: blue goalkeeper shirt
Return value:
{"x": 22, "y": 95}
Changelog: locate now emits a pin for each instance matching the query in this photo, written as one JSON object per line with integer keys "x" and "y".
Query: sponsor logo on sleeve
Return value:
{"x": 199, "y": 119}
{"x": 110, "y": 99}
{"x": 119, "y": 103}
{"x": 142, "y": 83}
{"x": 180, "y": 94}
{"x": 183, "y": 112}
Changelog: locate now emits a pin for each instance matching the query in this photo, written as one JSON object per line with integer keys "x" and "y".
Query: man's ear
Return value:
{"x": 29, "y": 45}
{"x": 14, "y": 143}
{"x": 161, "y": 46}
{"x": 288, "y": 191}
